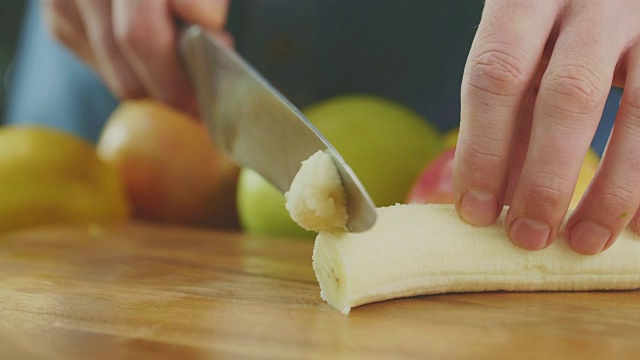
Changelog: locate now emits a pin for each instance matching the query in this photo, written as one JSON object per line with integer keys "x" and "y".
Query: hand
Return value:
{"x": 533, "y": 92}
{"x": 132, "y": 44}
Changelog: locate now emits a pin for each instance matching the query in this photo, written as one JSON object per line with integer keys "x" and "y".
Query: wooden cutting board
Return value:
{"x": 140, "y": 291}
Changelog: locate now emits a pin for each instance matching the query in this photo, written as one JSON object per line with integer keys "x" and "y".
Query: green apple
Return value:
{"x": 385, "y": 143}
{"x": 261, "y": 208}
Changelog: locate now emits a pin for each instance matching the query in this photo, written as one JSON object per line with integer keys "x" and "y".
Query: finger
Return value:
{"x": 496, "y": 82}
{"x": 629, "y": 15}
{"x": 520, "y": 146}
{"x": 154, "y": 58}
{"x": 523, "y": 134}
{"x": 614, "y": 196}
{"x": 225, "y": 37}
{"x": 211, "y": 14}
{"x": 109, "y": 60}
{"x": 568, "y": 108}
{"x": 64, "y": 23}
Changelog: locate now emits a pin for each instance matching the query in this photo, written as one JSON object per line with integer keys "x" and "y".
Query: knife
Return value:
{"x": 256, "y": 126}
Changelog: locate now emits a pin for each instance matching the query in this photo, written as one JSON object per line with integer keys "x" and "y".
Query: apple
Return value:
{"x": 170, "y": 168}
{"x": 435, "y": 183}
{"x": 587, "y": 172}
{"x": 385, "y": 143}
{"x": 261, "y": 208}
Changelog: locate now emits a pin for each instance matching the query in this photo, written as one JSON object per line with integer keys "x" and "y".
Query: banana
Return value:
{"x": 316, "y": 200}
{"x": 427, "y": 249}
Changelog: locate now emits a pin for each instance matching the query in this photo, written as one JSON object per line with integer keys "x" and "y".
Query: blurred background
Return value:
{"x": 11, "y": 13}
{"x": 412, "y": 52}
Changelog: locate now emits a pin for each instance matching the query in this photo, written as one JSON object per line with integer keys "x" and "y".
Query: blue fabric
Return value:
{"x": 410, "y": 51}
{"x": 606, "y": 122}
{"x": 49, "y": 86}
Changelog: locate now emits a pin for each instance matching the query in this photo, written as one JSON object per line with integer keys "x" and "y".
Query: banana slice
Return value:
{"x": 316, "y": 199}
{"x": 427, "y": 249}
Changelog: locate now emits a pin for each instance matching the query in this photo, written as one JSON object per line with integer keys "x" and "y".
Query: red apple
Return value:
{"x": 170, "y": 168}
{"x": 435, "y": 183}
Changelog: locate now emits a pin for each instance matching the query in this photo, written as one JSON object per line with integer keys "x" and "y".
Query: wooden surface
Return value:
{"x": 141, "y": 291}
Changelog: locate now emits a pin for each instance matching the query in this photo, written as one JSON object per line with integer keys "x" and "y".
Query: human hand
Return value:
{"x": 533, "y": 92}
{"x": 132, "y": 44}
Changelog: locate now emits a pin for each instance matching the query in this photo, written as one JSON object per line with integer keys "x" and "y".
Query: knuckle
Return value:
{"x": 628, "y": 119}
{"x": 481, "y": 162}
{"x": 129, "y": 34}
{"x": 617, "y": 198}
{"x": 547, "y": 190}
{"x": 497, "y": 72}
{"x": 57, "y": 7}
{"x": 632, "y": 103}
{"x": 56, "y": 18}
{"x": 482, "y": 150}
{"x": 574, "y": 88}
{"x": 126, "y": 91}
{"x": 134, "y": 37}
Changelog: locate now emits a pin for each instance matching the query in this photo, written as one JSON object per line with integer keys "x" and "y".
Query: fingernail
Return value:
{"x": 529, "y": 234}
{"x": 478, "y": 208}
{"x": 589, "y": 238}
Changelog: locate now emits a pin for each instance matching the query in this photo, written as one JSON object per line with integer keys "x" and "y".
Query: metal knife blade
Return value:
{"x": 255, "y": 125}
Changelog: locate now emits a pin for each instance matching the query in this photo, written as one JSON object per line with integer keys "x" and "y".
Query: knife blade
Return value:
{"x": 256, "y": 126}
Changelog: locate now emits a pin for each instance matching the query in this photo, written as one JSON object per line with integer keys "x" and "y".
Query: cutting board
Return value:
{"x": 144, "y": 291}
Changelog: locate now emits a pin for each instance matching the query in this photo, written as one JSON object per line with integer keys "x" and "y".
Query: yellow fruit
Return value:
{"x": 450, "y": 138}
{"x": 48, "y": 176}
{"x": 587, "y": 172}
{"x": 385, "y": 143}
{"x": 170, "y": 168}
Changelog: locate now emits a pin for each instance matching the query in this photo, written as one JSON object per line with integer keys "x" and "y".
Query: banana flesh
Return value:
{"x": 427, "y": 249}
{"x": 317, "y": 201}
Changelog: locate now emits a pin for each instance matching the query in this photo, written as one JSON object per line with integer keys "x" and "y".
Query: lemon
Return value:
{"x": 587, "y": 172}
{"x": 49, "y": 176}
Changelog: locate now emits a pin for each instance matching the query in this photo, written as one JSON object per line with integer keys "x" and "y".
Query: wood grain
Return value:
{"x": 146, "y": 292}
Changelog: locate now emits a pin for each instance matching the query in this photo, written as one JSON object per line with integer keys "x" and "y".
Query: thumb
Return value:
{"x": 211, "y": 14}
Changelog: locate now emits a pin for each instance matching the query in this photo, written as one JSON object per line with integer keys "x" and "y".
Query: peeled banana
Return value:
{"x": 316, "y": 200}
{"x": 427, "y": 249}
